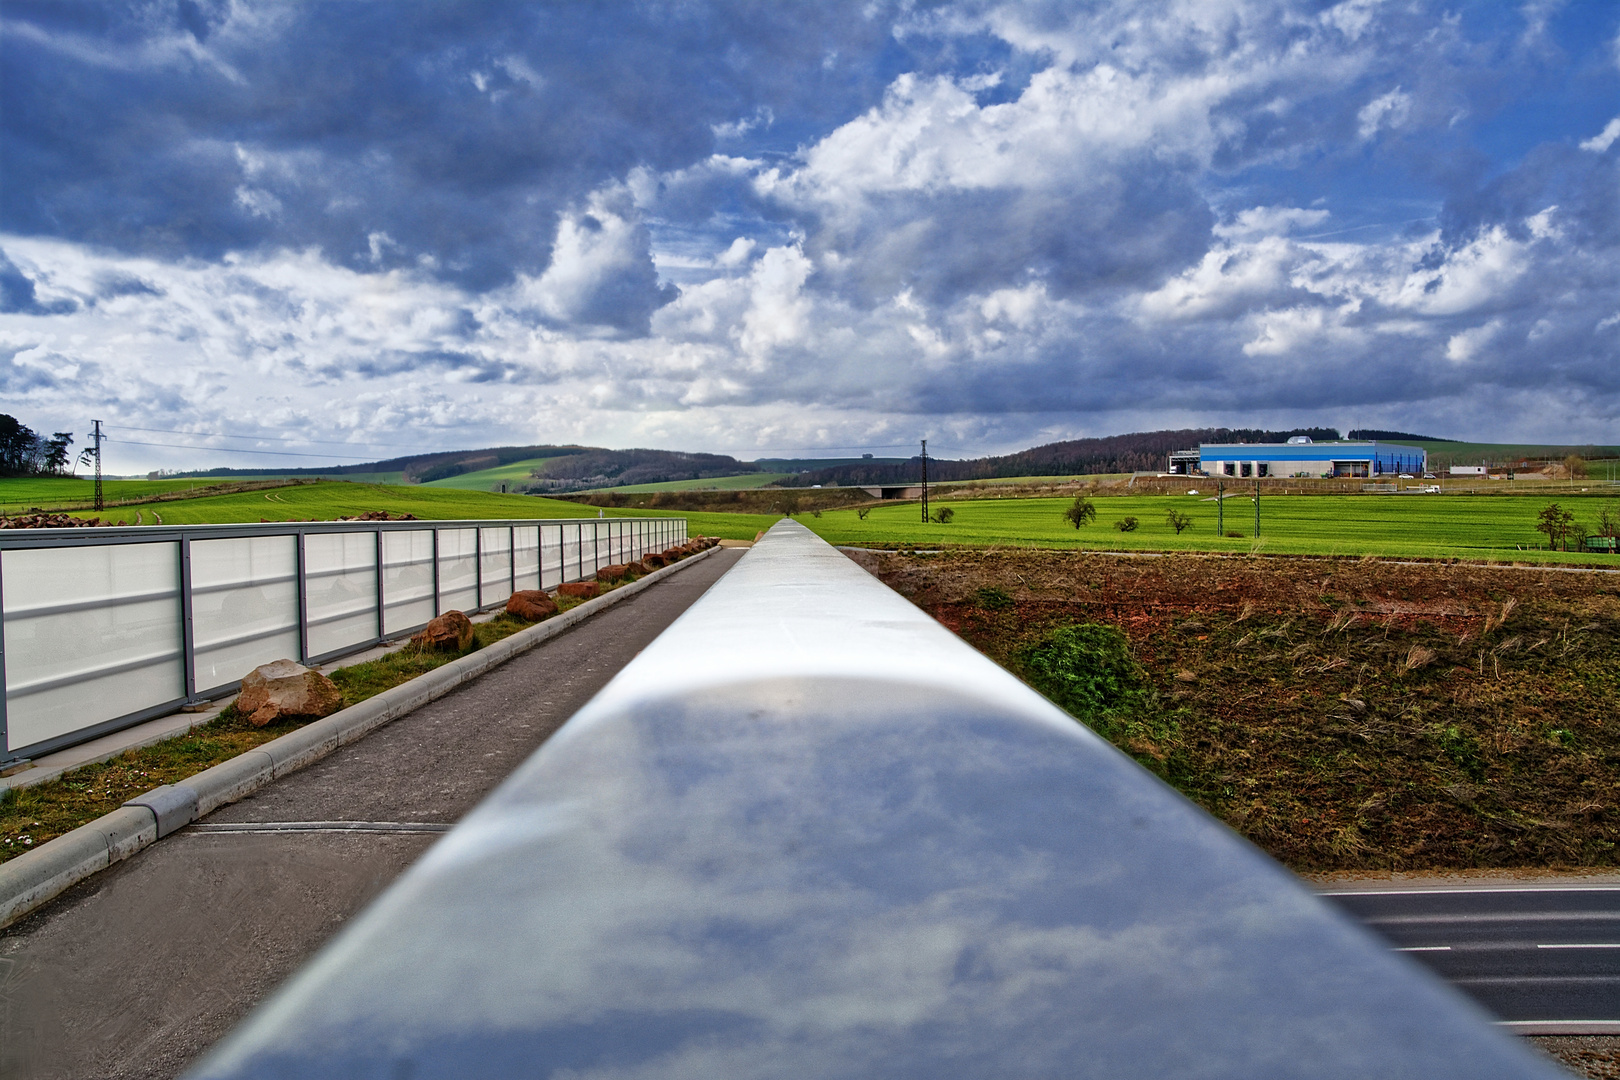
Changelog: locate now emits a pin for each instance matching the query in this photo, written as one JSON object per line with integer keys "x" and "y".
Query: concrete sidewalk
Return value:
{"x": 138, "y": 970}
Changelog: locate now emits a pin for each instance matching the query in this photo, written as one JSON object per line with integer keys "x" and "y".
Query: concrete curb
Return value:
{"x": 30, "y": 880}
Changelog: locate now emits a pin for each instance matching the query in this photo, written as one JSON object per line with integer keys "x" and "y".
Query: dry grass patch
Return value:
{"x": 1344, "y": 715}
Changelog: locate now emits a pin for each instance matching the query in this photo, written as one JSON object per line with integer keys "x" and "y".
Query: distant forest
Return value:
{"x": 25, "y": 452}
{"x": 1138, "y": 452}
{"x": 620, "y": 468}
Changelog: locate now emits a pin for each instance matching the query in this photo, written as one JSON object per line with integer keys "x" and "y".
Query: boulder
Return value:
{"x": 451, "y": 632}
{"x": 654, "y": 561}
{"x": 531, "y": 604}
{"x": 673, "y": 554}
{"x": 584, "y": 590}
{"x": 285, "y": 688}
{"x": 612, "y": 573}
{"x": 639, "y": 569}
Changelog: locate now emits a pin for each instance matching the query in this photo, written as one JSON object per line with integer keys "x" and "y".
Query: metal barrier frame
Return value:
{"x": 638, "y": 536}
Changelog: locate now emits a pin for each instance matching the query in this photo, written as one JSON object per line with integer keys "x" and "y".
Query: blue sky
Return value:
{"x": 762, "y": 229}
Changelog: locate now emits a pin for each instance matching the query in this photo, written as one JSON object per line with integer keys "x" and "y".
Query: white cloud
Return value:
{"x": 1601, "y": 142}
{"x": 1387, "y": 111}
{"x": 1465, "y": 345}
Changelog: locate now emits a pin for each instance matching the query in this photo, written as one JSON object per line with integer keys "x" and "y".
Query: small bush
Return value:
{"x": 992, "y": 598}
{"x": 1127, "y": 524}
{"x": 862, "y": 512}
{"x": 943, "y": 515}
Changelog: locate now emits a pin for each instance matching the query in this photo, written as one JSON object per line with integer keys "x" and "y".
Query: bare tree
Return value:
{"x": 1081, "y": 513}
{"x": 1556, "y": 522}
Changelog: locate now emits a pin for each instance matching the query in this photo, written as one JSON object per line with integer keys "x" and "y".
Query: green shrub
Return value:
{"x": 1088, "y": 669}
{"x": 1127, "y": 524}
{"x": 992, "y": 598}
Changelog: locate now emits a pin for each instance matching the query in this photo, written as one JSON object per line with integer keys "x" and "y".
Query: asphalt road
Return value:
{"x": 1545, "y": 959}
{"x": 135, "y": 972}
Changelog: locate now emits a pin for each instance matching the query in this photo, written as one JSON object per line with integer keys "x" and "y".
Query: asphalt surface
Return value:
{"x": 1533, "y": 956}
{"x": 135, "y": 972}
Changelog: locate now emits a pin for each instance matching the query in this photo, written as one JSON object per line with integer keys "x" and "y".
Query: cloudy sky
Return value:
{"x": 360, "y": 229}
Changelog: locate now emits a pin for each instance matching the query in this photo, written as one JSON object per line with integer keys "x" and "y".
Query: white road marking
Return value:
{"x": 319, "y": 826}
{"x": 1423, "y": 948}
{"x": 1483, "y": 889}
{"x": 1582, "y": 946}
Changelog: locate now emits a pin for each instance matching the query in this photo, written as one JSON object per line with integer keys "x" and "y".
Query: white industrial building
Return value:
{"x": 1300, "y": 456}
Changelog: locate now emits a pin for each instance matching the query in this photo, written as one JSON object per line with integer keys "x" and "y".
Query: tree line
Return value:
{"x": 1143, "y": 451}
{"x": 25, "y": 452}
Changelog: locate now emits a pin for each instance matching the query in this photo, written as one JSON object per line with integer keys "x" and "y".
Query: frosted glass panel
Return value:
{"x": 340, "y": 582}
{"x": 407, "y": 580}
{"x": 495, "y": 564}
{"x": 551, "y": 556}
{"x": 570, "y": 552}
{"x": 90, "y": 635}
{"x": 526, "y": 556}
{"x": 458, "y": 569}
{"x": 244, "y": 602}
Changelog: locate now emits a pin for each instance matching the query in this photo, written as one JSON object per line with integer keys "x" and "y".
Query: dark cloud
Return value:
{"x": 457, "y": 133}
{"x": 17, "y": 293}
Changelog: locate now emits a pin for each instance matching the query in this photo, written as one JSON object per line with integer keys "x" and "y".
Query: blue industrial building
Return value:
{"x": 1300, "y": 456}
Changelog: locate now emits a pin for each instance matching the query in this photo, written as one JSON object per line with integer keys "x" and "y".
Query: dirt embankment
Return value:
{"x": 1344, "y": 715}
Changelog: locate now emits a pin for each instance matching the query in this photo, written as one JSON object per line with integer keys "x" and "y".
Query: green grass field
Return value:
{"x": 1499, "y": 527}
{"x": 18, "y": 494}
{"x": 327, "y": 500}
{"x": 717, "y": 483}
{"x": 1465, "y": 453}
{"x": 492, "y": 479}
{"x": 1427, "y": 526}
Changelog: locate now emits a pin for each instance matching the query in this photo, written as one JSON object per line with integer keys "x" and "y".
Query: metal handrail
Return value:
{"x": 580, "y": 549}
{"x": 809, "y": 832}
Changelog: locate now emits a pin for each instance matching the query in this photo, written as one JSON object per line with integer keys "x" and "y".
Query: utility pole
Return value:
{"x": 1257, "y": 508}
{"x": 925, "y": 481}
{"x": 94, "y": 454}
{"x": 1220, "y": 508}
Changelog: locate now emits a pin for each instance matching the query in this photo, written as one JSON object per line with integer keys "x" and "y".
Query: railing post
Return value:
{"x": 511, "y": 555}
{"x": 478, "y": 569}
{"x": 5, "y": 745}
{"x": 436, "y": 611}
{"x": 188, "y": 632}
{"x": 379, "y": 584}
{"x": 303, "y": 599}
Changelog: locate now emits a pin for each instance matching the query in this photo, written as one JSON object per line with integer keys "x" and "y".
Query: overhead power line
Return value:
{"x": 232, "y": 450}
{"x": 262, "y": 438}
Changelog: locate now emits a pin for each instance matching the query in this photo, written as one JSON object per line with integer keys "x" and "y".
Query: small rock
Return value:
{"x": 584, "y": 590}
{"x": 452, "y": 632}
{"x": 612, "y": 573}
{"x": 286, "y": 688}
{"x": 654, "y": 561}
{"x": 639, "y": 569}
{"x": 531, "y": 604}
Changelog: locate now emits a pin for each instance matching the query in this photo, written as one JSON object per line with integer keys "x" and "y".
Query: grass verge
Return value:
{"x": 33, "y": 815}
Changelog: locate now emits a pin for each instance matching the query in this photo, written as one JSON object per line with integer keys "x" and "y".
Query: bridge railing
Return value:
{"x": 808, "y": 832}
{"x": 104, "y": 628}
